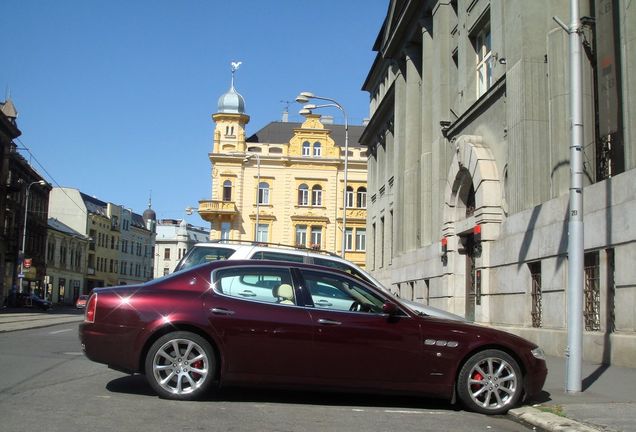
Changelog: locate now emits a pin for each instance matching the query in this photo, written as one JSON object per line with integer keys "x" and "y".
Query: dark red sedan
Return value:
{"x": 296, "y": 325}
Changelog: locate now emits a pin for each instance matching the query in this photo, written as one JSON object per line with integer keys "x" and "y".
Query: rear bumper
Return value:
{"x": 109, "y": 345}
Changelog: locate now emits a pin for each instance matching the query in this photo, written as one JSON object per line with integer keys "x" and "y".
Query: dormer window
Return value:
{"x": 306, "y": 149}
{"x": 317, "y": 149}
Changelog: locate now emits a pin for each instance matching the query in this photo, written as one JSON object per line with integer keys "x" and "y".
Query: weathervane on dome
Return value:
{"x": 235, "y": 65}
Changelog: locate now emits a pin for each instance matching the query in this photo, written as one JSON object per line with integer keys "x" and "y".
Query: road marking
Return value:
{"x": 73, "y": 353}
{"x": 402, "y": 412}
{"x": 60, "y": 331}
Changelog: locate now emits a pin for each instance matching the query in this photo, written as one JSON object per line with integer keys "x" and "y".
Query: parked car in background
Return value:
{"x": 31, "y": 300}
{"x": 238, "y": 250}
{"x": 297, "y": 325}
{"x": 80, "y": 303}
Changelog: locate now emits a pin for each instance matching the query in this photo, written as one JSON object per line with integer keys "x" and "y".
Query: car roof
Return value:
{"x": 251, "y": 244}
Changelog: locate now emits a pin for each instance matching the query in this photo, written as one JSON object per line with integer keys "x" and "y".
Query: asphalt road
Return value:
{"x": 47, "y": 384}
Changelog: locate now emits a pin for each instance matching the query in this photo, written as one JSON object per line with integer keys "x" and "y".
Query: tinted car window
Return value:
{"x": 261, "y": 284}
{"x": 339, "y": 293}
{"x": 277, "y": 256}
{"x": 203, "y": 254}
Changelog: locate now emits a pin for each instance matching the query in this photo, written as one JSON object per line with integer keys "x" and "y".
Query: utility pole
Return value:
{"x": 575, "y": 220}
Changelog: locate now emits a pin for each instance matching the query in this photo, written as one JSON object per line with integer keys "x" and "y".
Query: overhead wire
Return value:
{"x": 53, "y": 180}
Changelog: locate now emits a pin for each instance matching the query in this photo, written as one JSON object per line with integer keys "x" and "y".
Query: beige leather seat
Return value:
{"x": 284, "y": 293}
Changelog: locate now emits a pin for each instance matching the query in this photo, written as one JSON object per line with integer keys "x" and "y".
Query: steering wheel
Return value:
{"x": 355, "y": 307}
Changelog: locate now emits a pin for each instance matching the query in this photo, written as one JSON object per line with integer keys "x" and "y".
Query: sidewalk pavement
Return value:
{"x": 606, "y": 403}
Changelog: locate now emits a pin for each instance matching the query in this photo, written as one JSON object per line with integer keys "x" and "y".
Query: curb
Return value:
{"x": 550, "y": 422}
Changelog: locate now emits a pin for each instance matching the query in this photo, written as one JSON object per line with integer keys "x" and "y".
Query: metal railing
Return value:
{"x": 592, "y": 297}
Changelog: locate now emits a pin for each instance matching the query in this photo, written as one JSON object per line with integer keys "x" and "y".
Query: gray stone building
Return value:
{"x": 469, "y": 165}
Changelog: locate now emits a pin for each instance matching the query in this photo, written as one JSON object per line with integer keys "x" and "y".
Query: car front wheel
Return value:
{"x": 490, "y": 382}
{"x": 180, "y": 365}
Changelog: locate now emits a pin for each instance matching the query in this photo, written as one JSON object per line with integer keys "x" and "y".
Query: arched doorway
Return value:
{"x": 473, "y": 199}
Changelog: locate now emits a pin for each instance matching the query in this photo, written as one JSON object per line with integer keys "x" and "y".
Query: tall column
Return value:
{"x": 413, "y": 139}
{"x": 399, "y": 156}
{"x": 429, "y": 233}
{"x": 442, "y": 153}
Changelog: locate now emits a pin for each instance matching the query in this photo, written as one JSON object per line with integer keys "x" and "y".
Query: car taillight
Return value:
{"x": 91, "y": 306}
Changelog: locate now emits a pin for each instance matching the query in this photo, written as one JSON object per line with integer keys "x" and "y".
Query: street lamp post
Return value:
{"x": 305, "y": 97}
{"x": 248, "y": 156}
{"x": 24, "y": 229}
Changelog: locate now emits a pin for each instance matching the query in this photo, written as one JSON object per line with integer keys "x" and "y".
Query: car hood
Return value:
{"x": 420, "y": 308}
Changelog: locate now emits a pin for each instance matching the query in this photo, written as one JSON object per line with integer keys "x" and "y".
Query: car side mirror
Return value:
{"x": 390, "y": 309}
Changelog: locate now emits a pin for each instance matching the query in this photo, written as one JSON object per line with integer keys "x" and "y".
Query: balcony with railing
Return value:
{"x": 212, "y": 209}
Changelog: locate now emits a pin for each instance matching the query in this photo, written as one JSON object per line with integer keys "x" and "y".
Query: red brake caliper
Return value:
{"x": 477, "y": 377}
{"x": 197, "y": 365}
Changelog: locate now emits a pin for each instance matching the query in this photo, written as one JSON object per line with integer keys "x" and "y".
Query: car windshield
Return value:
{"x": 204, "y": 254}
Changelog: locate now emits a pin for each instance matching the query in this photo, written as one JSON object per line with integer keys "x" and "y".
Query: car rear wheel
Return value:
{"x": 180, "y": 365}
{"x": 490, "y": 382}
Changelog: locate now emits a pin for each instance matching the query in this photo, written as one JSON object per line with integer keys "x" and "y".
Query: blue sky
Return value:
{"x": 115, "y": 97}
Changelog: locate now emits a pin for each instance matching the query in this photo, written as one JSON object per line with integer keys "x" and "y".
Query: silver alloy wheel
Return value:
{"x": 492, "y": 383}
{"x": 180, "y": 366}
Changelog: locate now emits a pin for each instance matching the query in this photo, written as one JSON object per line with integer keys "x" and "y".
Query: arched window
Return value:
{"x": 227, "y": 190}
{"x": 303, "y": 195}
{"x": 306, "y": 149}
{"x": 263, "y": 193}
{"x": 317, "y": 149}
{"x": 362, "y": 197}
{"x": 316, "y": 195}
{"x": 349, "y": 196}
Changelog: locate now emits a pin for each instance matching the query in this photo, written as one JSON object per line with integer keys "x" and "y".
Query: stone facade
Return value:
{"x": 469, "y": 137}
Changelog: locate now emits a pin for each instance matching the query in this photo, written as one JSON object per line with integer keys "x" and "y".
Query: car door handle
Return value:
{"x": 328, "y": 322}
{"x": 221, "y": 311}
{"x": 323, "y": 303}
{"x": 247, "y": 293}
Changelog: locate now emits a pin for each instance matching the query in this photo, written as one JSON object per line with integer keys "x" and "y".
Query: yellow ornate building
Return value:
{"x": 285, "y": 184}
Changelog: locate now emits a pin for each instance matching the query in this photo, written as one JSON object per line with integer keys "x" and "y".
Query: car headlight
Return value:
{"x": 538, "y": 353}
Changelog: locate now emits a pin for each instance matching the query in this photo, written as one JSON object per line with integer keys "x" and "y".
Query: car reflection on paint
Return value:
{"x": 297, "y": 325}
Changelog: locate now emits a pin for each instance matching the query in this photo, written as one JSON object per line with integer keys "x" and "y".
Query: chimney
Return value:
{"x": 285, "y": 116}
{"x": 326, "y": 120}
